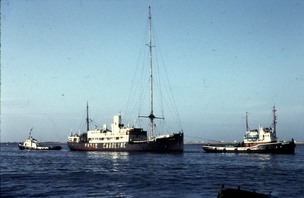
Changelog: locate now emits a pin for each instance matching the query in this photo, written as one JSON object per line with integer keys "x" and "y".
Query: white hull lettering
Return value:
{"x": 113, "y": 145}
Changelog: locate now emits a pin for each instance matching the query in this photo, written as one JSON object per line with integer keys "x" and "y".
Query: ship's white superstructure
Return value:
{"x": 119, "y": 134}
{"x": 262, "y": 134}
{"x": 124, "y": 138}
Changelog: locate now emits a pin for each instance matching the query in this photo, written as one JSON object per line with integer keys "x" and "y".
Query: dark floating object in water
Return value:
{"x": 238, "y": 193}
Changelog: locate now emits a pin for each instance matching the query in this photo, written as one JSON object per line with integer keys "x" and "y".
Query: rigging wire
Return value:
{"x": 82, "y": 123}
{"x": 168, "y": 88}
{"x": 136, "y": 86}
{"x": 139, "y": 91}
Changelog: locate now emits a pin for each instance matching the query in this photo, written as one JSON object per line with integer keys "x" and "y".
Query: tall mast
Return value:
{"x": 247, "y": 127}
{"x": 88, "y": 123}
{"x": 151, "y": 68}
{"x": 31, "y": 133}
{"x": 274, "y": 119}
{"x": 151, "y": 116}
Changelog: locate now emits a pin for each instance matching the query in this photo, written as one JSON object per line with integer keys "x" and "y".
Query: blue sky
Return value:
{"x": 223, "y": 58}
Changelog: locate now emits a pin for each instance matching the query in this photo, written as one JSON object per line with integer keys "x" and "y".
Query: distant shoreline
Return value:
{"x": 187, "y": 143}
{"x": 228, "y": 143}
{"x": 39, "y": 142}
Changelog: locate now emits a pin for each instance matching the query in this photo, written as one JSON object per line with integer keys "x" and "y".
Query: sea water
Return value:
{"x": 194, "y": 173}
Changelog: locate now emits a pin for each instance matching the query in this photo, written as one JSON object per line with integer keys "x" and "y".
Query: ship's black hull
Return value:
{"x": 271, "y": 148}
{"x": 172, "y": 143}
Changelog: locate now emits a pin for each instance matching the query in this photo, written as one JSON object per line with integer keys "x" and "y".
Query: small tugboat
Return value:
{"x": 32, "y": 144}
{"x": 238, "y": 193}
{"x": 128, "y": 138}
{"x": 262, "y": 140}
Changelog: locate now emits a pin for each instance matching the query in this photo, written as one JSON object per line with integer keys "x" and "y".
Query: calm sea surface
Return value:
{"x": 120, "y": 174}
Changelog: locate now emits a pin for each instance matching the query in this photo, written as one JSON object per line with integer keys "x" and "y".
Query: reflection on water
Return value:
{"x": 106, "y": 161}
{"x": 109, "y": 155}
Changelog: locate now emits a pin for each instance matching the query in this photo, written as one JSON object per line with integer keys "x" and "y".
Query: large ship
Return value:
{"x": 262, "y": 140}
{"x": 128, "y": 138}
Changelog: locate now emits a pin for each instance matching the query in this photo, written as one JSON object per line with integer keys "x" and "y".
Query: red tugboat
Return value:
{"x": 262, "y": 140}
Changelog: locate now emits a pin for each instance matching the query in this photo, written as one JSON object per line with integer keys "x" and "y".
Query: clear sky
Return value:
{"x": 223, "y": 59}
